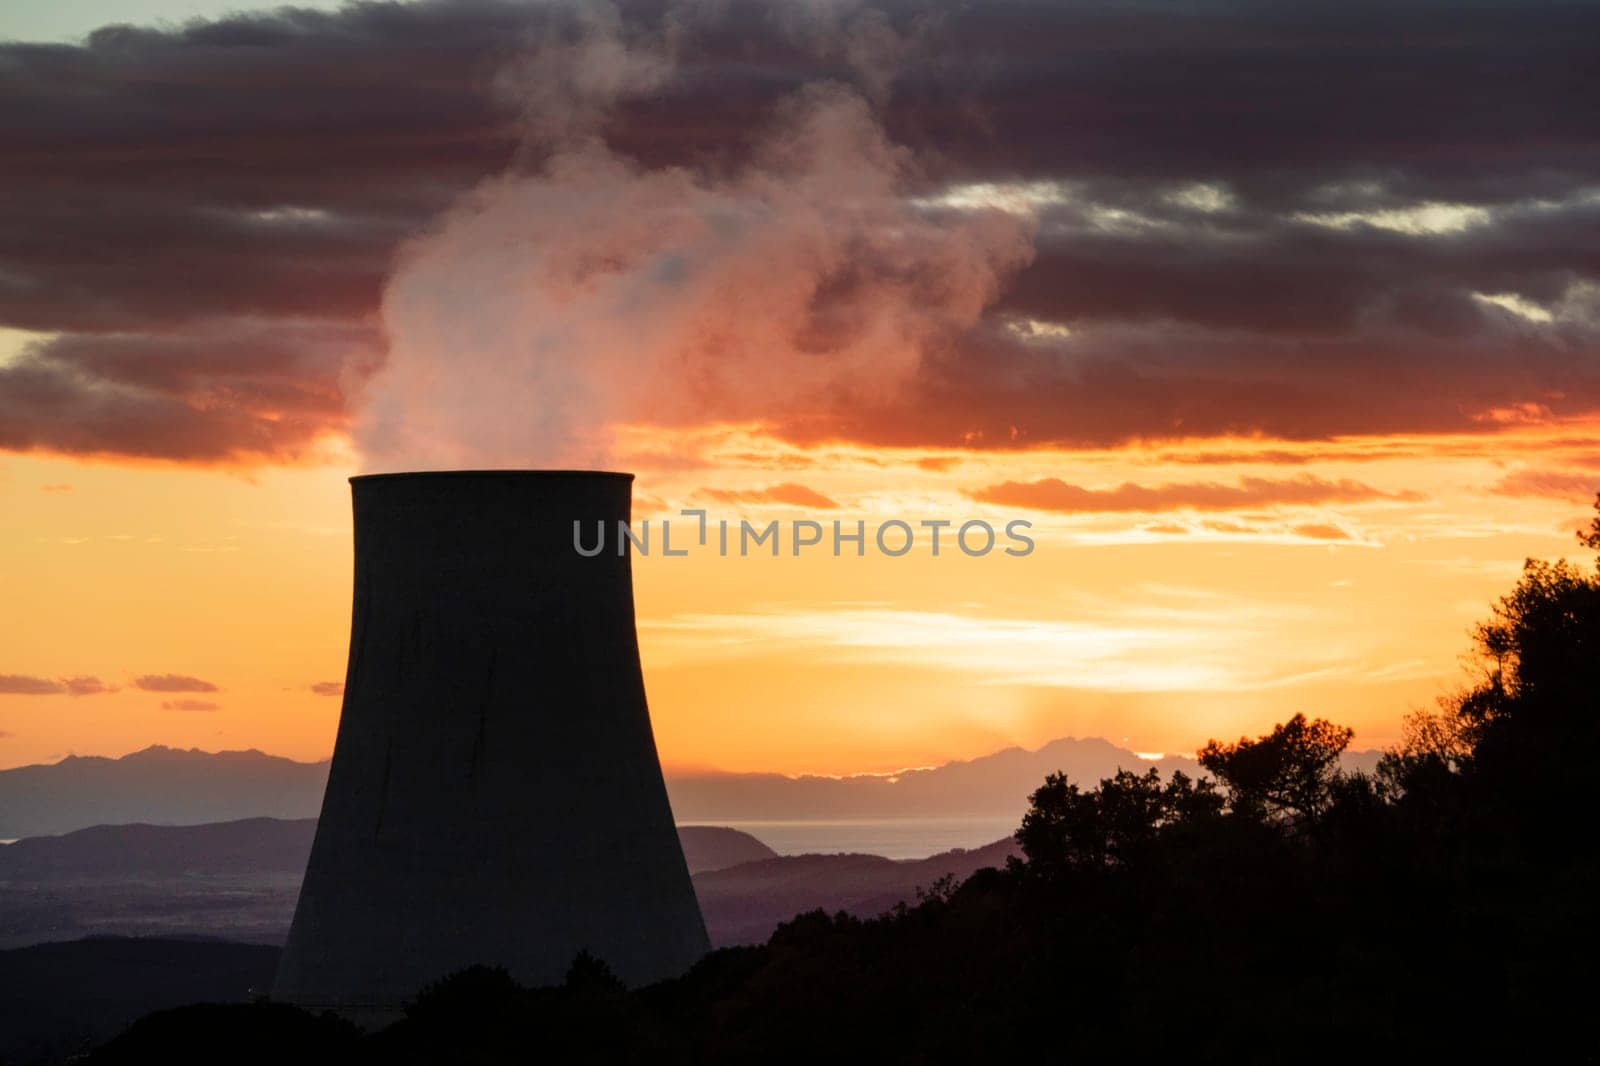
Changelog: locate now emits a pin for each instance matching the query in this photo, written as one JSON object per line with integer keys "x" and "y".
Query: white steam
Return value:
{"x": 543, "y": 310}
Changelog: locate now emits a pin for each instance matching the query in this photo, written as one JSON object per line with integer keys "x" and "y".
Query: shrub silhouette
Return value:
{"x": 254, "y": 1034}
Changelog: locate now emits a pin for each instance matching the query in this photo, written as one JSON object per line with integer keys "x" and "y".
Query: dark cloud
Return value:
{"x": 172, "y": 683}
{"x": 327, "y": 688}
{"x": 222, "y": 389}
{"x": 1254, "y": 217}
{"x": 85, "y": 686}
{"x": 1161, "y": 382}
{"x": 1274, "y": 275}
{"x": 23, "y": 685}
{"x": 1053, "y": 494}
{"x": 790, "y": 493}
{"x": 190, "y": 705}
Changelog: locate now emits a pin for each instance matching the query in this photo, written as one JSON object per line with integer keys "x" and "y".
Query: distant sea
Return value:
{"x": 894, "y": 838}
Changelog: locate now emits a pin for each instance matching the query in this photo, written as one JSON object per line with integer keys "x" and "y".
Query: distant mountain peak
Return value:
{"x": 162, "y": 751}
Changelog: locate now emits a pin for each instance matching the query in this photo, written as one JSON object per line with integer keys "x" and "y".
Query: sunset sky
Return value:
{"x": 1279, "y": 323}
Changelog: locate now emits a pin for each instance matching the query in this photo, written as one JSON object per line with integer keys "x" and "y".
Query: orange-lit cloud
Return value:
{"x": 789, "y": 493}
{"x": 1575, "y": 485}
{"x": 772, "y": 459}
{"x": 1322, "y": 531}
{"x": 1053, "y": 494}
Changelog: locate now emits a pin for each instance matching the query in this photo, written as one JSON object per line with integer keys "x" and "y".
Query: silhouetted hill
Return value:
{"x": 239, "y": 880}
{"x": 166, "y": 786}
{"x": 163, "y": 786}
{"x": 254, "y": 847}
{"x": 250, "y": 846}
{"x": 715, "y": 847}
{"x": 744, "y": 904}
{"x": 232, "y": 880}
{"x": 58, "y": 1000}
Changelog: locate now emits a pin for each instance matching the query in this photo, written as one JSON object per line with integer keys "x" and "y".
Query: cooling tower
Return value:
{"x": 495, "y": 795}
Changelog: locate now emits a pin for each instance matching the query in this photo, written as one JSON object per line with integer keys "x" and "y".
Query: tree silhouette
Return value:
{"x": 1590, "y": 537}
{"x": 591, "y": 976}
{"x": 1285, "y": 774}
{"x": 1114, "y": 824}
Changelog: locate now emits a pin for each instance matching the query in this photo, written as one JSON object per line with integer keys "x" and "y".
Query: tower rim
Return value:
{"x": 491, "y": 473}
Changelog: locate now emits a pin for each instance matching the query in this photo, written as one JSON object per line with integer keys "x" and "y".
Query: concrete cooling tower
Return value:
{"x": 495, "y": 795}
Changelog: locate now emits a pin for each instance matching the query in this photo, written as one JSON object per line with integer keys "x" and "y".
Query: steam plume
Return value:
{"x": 546, "y": 308}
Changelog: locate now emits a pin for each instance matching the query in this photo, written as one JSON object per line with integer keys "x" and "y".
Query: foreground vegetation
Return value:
{"x": 1277, "y": 910}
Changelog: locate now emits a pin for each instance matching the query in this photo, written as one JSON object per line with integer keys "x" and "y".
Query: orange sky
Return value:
{"x": 911, "y": 234}
{"x": 1215, "y": 597}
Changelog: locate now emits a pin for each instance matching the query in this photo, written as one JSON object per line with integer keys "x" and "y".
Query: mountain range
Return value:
{"x": 169, "y": 786}
{"x": 159, "y": 785}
